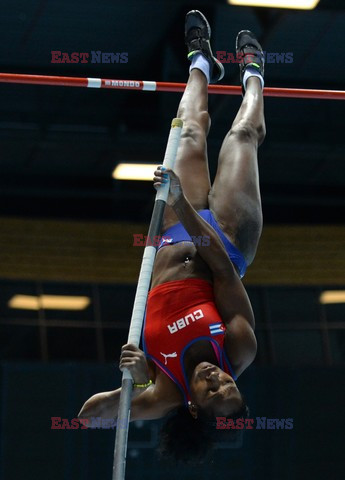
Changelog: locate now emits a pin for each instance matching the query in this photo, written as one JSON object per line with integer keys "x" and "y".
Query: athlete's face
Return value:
{"x": 214, "y": 391}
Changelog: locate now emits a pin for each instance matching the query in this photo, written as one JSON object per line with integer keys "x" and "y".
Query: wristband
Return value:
{"x": 142, "y": 385}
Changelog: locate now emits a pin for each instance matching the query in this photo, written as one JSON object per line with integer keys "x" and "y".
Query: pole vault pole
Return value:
{"x": 163, "y": 86}
{"x": 119, "y": 465}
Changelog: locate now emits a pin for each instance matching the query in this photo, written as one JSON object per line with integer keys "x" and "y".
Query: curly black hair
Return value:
{"x": 189, "y": 440}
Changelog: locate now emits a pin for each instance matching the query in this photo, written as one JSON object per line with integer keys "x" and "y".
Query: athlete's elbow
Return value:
{"x": 90, "y": 415}
{"x": 223, "y": 269}
{"x": 219, "y": 261}
{"x": 85, "y": 414}
{"x": 90, "y": 409}
{"x": 84, "y": 420}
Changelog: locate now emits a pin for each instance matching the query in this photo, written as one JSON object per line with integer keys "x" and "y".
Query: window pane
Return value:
{"x": 116, "y": 303}
{"x": 113, "y": 341}
{"x": 262, "y": 356}
{"x": 19, "y": 343}
{"x": 335, "y": 312}
{"x": 294, "y": 304}
{"x": 72, "y": 344}
{"x": 298, "y": 348}
{"x": 337, "y": 341}
{"x": 255, "y": 296}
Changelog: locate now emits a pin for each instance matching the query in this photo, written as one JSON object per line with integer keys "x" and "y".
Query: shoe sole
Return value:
{"x": 204, "y": 19}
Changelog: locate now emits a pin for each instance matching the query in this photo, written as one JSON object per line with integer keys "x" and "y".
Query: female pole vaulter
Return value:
{"x": 198, "y": 336}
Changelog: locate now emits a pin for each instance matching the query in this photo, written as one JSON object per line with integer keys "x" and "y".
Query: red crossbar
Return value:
{"x": 163, "y": 86}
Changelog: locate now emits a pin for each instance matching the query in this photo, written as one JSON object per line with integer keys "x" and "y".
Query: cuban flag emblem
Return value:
{"x": 216, "y": 328}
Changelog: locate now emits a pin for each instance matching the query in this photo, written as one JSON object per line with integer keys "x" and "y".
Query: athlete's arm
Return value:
{"x": 208, "y": 244}
{"x": 144, "y": 406}
{"x": 235, "y": 309}
{"x": 231, "y": 297}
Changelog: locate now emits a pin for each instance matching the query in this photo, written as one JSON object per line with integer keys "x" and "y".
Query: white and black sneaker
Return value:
{"x": 249, "y": 50}
{"x": 197, "y": 39}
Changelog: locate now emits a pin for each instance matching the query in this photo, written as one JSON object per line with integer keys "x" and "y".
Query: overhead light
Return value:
{"x": 297, "y": 4}
{"x": 332, "y": 296}
{"x": 48, "y": 302}
{"x": 134, "y": 171}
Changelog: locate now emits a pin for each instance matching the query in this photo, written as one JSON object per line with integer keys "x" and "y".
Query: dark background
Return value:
{"x": 58, "y": 148}
{"x": 60, "y": 145}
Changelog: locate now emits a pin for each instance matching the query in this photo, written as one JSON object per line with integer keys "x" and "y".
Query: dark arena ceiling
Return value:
{"x": 60, "y": 145}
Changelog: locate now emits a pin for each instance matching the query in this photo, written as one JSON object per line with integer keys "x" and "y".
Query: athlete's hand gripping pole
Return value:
{"x": 139, "y": 306}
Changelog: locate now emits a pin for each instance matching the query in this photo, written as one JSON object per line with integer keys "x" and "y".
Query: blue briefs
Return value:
{"x": 177, "y": 233}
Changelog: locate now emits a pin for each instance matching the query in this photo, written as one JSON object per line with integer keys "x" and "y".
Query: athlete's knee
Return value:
{"x": 195, "y": 131}
{"x": 247, "y": 131}
{"x": 194, "y": 122}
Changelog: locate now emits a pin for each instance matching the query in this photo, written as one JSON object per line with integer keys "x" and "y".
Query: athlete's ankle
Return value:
{"x": 200, "y": 62}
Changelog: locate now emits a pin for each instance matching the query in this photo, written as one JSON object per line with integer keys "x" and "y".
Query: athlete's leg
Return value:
{"x": 235, "y": 195}
{"x": 191, "y": 162}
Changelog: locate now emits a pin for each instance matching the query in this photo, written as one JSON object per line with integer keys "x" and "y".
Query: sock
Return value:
{"x": 252, "y": 72}
{"x": 200, "y": 62}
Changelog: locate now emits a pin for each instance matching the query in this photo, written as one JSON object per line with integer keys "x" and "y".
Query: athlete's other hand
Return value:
{"x": 161, "y": 177}
{"x": 134, "y": 360}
